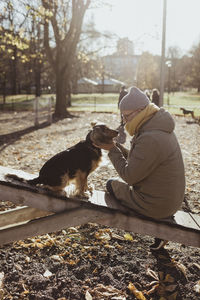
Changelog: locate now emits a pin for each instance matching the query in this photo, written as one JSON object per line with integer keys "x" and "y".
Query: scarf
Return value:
{"x": 133, "y": 126}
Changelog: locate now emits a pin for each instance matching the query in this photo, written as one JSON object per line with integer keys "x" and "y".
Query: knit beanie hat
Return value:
{"x": 134, "y": 100}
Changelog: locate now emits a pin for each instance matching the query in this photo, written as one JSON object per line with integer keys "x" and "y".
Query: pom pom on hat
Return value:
{"x": 134, "y": 100}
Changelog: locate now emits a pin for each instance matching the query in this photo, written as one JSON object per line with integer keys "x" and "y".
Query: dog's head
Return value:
{"x": 102, "y": 134}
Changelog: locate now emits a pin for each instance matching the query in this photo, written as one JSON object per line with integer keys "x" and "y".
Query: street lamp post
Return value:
{"x": 162, "y": 68}
{"x": 169, "y": 64}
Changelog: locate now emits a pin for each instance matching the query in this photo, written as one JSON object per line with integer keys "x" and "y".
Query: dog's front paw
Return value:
{"x": 91, "y": 188}
{"x": 61, "y": 193}
{"x": 85, "y": 195}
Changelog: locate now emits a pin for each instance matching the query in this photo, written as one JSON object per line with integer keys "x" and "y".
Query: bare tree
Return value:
{"x": 63, "y": 22}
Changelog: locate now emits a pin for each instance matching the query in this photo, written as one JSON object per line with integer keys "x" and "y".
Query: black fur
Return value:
{"x": 187, "y": 112}
{"x": 75, "y": 163}
{"x": 77, "y": 157}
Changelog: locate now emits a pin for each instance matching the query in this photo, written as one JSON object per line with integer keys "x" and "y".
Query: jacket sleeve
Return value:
{"x": 124, "y": 151}
{"x": 143, "y": 159}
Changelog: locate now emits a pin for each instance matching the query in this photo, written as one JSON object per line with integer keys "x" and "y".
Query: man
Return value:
{"x": 152, "y": 171}
{"x": 123, "y": 92}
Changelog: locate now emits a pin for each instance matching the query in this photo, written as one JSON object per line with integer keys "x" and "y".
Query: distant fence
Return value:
{"x": 42, "y": 110}
{"x": 185, "y": 106}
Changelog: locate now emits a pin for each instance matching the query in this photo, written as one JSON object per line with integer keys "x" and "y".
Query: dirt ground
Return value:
{"x": 91, "y": 261}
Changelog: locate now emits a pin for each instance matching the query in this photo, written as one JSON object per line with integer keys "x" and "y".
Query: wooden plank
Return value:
{"x": 23, "y": 194}
{"x": 36, "y": 200}
{"x": 29, "y": 196}
{"x": 105, "y": 210}
{"x": 104, "y": 199}
{"x": 166, "y": 231}
{"x": 20, "y": 214}
{"x": 185, "y": 219}
{"x": 196, "y": 219}
{"x": 41, "y": 199}
{"x": 181, "y": 218}
{"x": 48, "y": 224}
{"x": 109, "y": 217}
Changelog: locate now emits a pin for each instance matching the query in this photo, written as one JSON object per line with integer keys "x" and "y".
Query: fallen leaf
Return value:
{"x": 170, "y": 288}
{"x": 107, "y": 292}
{"x": 197, "y": 287}
{"x": 128, "y": 237}
{"x": 107, "y": 246}
{"x": 153, "y": 289}
{"x": 102, "y": 236}
{"x": 72, "y": 229}
{"x": 178, "y": 266}
{"x": 27, "y": 259}
{"x": 172, "y": 296}
{"x": 161, "y": 290}
{"x": 47, "y": 274}
{"x": 152, "y": 274}
{"x": 72, "y": 262}
{"x": 26, "y": 292}
{"x": 169, "y": 278}
{"x": 88, "y": 296}
{"x": 18, "y": 267}
{"x": 117, "y": 237}
{"x": 56, "y": 257}
{"x": 196, "y": 265}
{"x": 182, "y": 268}
{"x": 139, "y": 295}
{"x": 1, "y": 279}
{"x": 118, "y": 298}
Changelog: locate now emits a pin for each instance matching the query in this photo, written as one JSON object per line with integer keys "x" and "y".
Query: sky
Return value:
{"x": 141, "y": 21}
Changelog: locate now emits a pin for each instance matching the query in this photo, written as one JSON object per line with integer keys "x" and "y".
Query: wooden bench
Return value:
{"x": 39, "y": 212}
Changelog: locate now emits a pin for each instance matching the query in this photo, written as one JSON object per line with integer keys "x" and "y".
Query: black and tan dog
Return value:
{"x": 73, "y": 164}
{"x": 187, "y": 112}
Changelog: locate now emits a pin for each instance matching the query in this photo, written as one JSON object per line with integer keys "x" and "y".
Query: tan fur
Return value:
{"x": 99, "y": 134}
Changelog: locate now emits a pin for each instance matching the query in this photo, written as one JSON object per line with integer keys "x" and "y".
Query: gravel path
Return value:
{"x": 93, "y": 262}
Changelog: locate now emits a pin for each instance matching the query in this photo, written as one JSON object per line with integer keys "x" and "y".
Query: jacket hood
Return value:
{"x": 162, "y": 120}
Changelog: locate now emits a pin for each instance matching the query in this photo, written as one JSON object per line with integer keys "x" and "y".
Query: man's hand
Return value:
{"x": 107, "y": 147}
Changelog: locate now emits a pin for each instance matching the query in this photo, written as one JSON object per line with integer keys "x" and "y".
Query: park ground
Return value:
{"x": 91, "y": 261}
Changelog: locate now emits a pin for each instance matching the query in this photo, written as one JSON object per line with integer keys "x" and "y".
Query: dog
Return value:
{"x": 187, "y": 112}
{"x": 73, "y": 164}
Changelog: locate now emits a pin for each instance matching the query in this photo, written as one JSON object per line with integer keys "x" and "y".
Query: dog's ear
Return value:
{"x": 93, "y": 123}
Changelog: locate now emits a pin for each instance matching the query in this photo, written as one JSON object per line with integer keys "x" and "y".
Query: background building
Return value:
{"x": 123, "y": 63}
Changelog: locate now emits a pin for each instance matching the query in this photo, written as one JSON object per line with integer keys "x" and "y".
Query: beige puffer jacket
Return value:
{"x": 153, "y": 170}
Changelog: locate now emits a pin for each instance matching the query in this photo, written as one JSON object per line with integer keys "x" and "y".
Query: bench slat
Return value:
{"x": 107, "y": 217}
{"x": 186, "y": 219}
{"x": 19, "y": 215}
{"x": 101, "y": 208}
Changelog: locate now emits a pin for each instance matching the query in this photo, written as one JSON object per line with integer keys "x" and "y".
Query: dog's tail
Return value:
{"x": 33, "y": 181}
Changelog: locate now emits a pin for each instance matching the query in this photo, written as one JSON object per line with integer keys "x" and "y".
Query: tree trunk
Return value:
{"x": 69, "y": 94}
{"x": 4, "y": 88}
{"x": 61, "y": 104}
{"x": 14, "y": 72}
{"x": 62, "y": 55}
{"x": 37, "y": 81}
